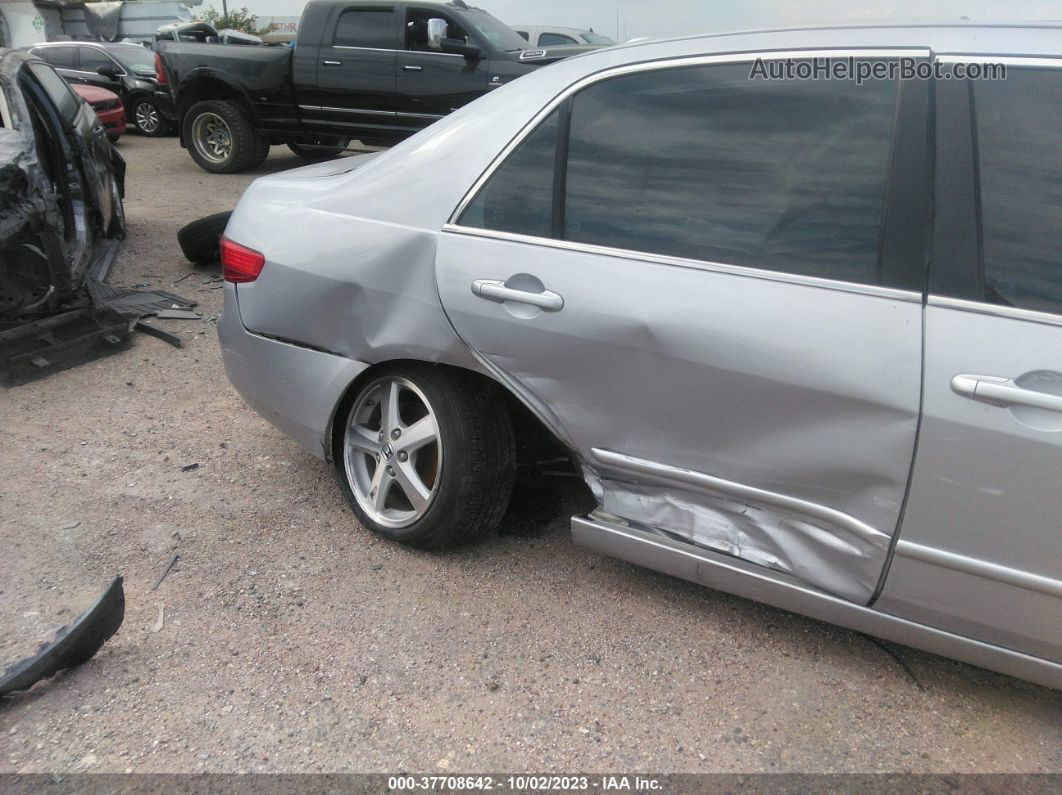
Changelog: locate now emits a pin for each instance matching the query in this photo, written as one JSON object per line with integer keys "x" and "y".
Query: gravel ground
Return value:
{"x": 295, "y": 641}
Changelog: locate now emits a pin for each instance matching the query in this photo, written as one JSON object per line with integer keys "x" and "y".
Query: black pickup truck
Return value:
{"x": 372, "y": 71}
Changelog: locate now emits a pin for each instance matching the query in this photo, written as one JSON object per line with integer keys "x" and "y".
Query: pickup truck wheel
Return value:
{"x": 221, "y": 139}
{"x": 315, "y": 152}
{"x": 147, "y": 119}
{"x": 425, "y": 455}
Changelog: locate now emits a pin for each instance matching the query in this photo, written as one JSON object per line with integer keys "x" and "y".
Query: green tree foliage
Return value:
{"x": 239, "y": 19}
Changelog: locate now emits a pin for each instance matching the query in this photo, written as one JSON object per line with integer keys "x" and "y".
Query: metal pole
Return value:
{"x": 224, "y": 13}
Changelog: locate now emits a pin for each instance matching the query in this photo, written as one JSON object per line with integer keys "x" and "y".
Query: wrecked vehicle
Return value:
{"x": 61, "y": 189}
{"x": 715, "y": 291}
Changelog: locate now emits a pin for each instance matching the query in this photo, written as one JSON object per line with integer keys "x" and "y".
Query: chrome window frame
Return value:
{"x": 453, "y": 226}
{"x": 986, "y": 307}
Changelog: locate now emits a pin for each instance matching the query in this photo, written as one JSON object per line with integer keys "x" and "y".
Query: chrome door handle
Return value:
{"x": 1003, "y": 392}
{"x": 494, "y": 290}
{"x": 411, "y": 68}
{"x": 332, "y": 63}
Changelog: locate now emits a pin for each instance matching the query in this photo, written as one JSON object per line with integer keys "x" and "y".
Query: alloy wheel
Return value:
{"x": 392, "y": 452}
{"x": 212, "y": 137}
{"x": 147, "y": 117}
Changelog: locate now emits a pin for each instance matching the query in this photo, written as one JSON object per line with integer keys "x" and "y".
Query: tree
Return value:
{"x": 239, "y": 19}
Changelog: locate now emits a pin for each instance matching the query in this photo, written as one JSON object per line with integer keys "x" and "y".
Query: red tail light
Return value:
{"x": 239, "y": 263}
{"x": 160, "y": 71}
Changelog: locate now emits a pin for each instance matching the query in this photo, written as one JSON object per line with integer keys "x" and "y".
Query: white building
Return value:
{"x": 26, "y": 22}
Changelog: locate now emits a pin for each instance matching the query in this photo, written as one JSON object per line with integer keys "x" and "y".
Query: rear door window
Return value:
{"x": 366, "y": 27}
{"x": 1020, "y": 168}
{"x": 782, "y": 175}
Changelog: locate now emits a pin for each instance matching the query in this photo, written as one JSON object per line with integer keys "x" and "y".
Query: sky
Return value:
{"x": 630, "y": 18}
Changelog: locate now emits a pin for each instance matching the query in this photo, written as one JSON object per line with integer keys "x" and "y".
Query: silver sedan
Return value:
{"x": 791, "y": 302}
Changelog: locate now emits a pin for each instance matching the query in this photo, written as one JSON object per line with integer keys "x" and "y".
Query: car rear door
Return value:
{"x": 981, "y": 549}
{"x": 354, "y": 69}
{"x": 715, "y": 299}
{"x": 63, "y": 58}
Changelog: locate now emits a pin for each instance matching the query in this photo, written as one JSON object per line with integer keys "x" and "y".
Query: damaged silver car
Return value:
{"x": 801, "y": 335}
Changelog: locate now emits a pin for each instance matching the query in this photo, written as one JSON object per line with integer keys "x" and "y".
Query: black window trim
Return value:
{"x": 913, "y": 293}
{"x": 956, "y": 273}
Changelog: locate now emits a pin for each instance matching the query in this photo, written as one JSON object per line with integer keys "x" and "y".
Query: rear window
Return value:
{"x": 61, "y": 57}
{"x": 1018, "y": 122}
{"x": 366, "y": 27}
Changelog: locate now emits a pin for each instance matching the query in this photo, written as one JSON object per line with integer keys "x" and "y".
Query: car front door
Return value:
{"x": 349, "y": 81}
{"x": 91, "y": 59}
{"x": 715, "y": 300}
{"x": 432, "y": 84}
{"x": 980, "y": 552}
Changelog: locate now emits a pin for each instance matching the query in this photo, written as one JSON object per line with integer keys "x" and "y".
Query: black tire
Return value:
{"x": 315, "y": 152}
{"x": 478, "y": 463}
{"x": 247, "y": 150}
{"x": 199, "y": 239}
{"x": 146, "y": 118}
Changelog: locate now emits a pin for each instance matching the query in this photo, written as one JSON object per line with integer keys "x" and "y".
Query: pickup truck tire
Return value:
{"x": 315, "y": 152}
{"x": 221, "y": 139}
{"x": 465, "y": 461}
{"x": 199, "y": 239}
{"x": 146, "y": 117}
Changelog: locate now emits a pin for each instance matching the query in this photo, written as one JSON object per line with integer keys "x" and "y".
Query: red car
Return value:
{"x": 108, "y": 107}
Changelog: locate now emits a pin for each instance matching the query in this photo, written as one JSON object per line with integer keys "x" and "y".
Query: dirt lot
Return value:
{"x": 295, "y": 641}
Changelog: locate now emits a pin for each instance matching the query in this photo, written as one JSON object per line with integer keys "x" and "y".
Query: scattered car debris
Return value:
{"x": 179, "y": 314}
{"x": 137, "y": 303}
{"x": 73, "y": 644}
{"x": 158, "y": 333}
{"x": 157, "y": 626}
{"x": 72, "y": 525}
{"x": 166, "y": 571}
{"x": 189, "y": 467}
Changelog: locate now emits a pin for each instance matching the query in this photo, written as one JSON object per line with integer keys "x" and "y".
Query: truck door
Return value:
{"x": 432, "y": 84}
{"x": 349, "y": 80}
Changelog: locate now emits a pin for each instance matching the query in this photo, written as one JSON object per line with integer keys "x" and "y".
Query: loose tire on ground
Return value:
{"x": 472, "y": 478}
{"x": 315, "y": 152}
{"x": 199, "y": 239}
{"x": 221, "y": 139}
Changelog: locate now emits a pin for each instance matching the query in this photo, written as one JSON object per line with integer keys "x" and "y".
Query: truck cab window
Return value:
{"x": 366, "y": 27}
{"x": 417, "y": 28}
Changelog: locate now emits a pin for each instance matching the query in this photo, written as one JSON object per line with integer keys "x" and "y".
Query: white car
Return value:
{"x": 556, "y": 37}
